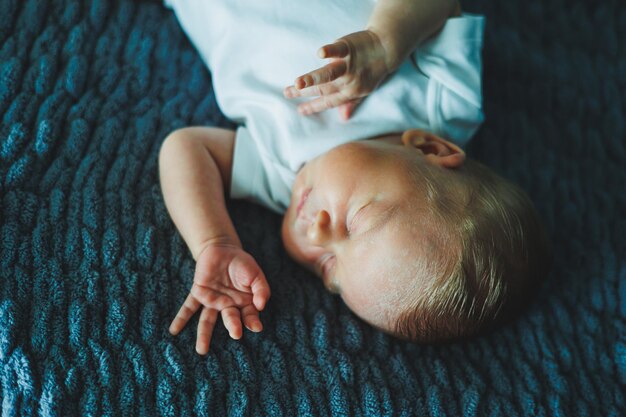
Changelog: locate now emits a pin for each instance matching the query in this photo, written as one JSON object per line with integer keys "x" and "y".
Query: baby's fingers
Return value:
{"x": 322, "y": 103}
{"x": 212, "y": 298}
{"x": 313, "y": 91}
{"x": 322, "y": 75}
{"x": 260, "y": 291}
{"x": 187, "y": 310}
{"x": 232, "y": 322}
{"x": 251, "y": 318}
{"x": 208, "y": 317}
{"x": 334, "y": 50}
{"x": 346, "y": 109}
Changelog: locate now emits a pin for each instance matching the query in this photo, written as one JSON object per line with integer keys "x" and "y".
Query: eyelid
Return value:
{"x": 356, "y": 216}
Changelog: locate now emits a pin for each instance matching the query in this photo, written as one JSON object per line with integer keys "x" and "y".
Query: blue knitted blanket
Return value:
{"x": 92, "y": 269}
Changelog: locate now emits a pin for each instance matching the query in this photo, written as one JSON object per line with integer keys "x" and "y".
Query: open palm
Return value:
{"x": 227, "y": 280}
{"x": 358, "y": 65}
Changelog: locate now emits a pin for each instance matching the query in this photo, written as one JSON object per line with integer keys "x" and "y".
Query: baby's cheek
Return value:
{"x": 290, "y": 241}
{"x": 287, "y": 236}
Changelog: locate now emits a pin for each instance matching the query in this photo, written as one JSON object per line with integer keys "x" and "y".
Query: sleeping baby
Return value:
{"x": 363, "y": 156}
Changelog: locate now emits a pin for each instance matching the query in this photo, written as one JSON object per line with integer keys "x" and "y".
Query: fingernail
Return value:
{"x": 321, "y": 53}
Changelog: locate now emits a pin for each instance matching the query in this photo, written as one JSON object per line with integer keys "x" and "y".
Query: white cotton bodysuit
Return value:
{"x": 254, "y": 49}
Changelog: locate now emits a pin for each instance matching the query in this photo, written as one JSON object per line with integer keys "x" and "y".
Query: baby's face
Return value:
{"x": 351, "y": 220}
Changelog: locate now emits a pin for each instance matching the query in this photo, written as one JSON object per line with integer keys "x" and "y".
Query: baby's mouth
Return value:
{"x": 303, "y": 199}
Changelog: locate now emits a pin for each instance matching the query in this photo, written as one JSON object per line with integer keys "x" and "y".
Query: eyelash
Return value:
{"x": 329, "y": 264}
{"x": 354, "y": 218}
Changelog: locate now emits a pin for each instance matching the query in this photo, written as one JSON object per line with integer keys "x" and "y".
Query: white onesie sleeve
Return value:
{"x": 452, "y": 62}
{"x": 255, "y": 176}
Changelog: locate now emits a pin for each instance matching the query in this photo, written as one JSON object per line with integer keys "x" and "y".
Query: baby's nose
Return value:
{"x": 320, "y": 231}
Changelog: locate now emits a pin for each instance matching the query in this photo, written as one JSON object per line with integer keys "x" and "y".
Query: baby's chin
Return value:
{"x": 296, "y": 191}
{"x": 287, "y": 233}
{"x": 286, "y": 230}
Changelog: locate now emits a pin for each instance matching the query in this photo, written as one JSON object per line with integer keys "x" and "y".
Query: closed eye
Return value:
{"x": 355, "y": 219}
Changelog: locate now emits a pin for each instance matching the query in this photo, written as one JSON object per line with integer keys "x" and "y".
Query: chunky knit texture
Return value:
{"x": 92, "y": 269}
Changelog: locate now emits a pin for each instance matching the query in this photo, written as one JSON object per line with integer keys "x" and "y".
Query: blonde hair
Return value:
{"x": 488, "y": 256}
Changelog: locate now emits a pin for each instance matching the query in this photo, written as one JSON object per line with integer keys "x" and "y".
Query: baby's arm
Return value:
{"x": 195, "y": 168}
{"x": 362, "y": 60}
{"x": 402, "y": 25}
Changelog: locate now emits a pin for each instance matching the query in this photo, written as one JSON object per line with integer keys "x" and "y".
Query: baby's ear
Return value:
{"x": 435, "y": 149}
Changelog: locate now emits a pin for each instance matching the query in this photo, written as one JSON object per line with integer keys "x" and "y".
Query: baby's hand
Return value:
{"x": 227, "y": 281}
{"x": 358, "y": 65}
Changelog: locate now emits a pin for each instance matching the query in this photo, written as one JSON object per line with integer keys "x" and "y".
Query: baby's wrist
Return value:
{"x": 222, "y": 241}
{"x": 395, "y": 52}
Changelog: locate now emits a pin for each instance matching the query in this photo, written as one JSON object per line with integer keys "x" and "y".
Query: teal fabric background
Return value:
{"x": 92, "y": 269}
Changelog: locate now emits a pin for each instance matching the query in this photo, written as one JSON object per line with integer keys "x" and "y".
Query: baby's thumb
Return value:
{"x": 346, "y": 110}
{"x": 261, "y": 291}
